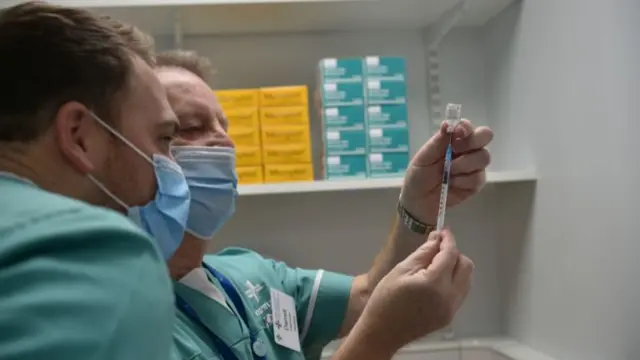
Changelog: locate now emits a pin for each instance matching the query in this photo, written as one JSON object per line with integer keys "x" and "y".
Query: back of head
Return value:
{"x": 52, "y": 55}
{"x": 71, "y": 81}
{"x": 139, "y": 42}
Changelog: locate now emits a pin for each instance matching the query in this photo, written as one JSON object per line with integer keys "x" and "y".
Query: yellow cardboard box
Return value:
{"x": 248, "y": 156}
{"x": 250, "y": 175}
{"x": 235, "y": 98}
{"x": 285, "y": 135}
{"x": 245, "y": 137}
{"x": 287, "y": 154}
{"x": 284, "y": 96}
{"x": 284, "y": 115}
{"x": 288, "y": 173}
{"x": 243, "y": 117}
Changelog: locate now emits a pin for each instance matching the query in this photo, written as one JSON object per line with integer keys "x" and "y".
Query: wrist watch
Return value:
{"x": 412, "y": 223}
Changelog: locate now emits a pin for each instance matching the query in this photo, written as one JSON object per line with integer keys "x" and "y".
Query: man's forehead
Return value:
{"x": 181, "y": 79}
{"x": 185, "y": 88}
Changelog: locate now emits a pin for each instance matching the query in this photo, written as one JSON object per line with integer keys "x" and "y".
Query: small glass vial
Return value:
{"x": 452, "y": 115}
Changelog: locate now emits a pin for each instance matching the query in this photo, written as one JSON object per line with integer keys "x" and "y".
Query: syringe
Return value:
{"x": 452, "y": 116}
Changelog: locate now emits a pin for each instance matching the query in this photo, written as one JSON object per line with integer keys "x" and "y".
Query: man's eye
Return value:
{"x": 191, "y": 130}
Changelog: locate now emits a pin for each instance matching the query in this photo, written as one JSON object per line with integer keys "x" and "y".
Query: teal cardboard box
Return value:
{"x": 387, "y": 116}
{"x": 344, "y": 117}
{"x": 342, "y": 94}
{"x": 386, "y": 165}
{"x": 382, "y": 92}
{"x": 385, "y": 68}
{"x": 340, "y": 142}
{"x": 344, "y": 69}
{"x": 388, "y": 139}
{"x": 338, "y": 167}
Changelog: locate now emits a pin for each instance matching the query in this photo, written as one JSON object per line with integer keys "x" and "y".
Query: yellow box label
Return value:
{"x": 285, "y": 135}
{"x": 248, "y": 156}
{"x": 288, "y": 173}
{"x": 243, "y": 117}
{"x": 286, "y": 154}
{"x": 284, "y": 115}
{"x": 250, "y": 175}
{"x": 245, "y": 137}
{"x": 284, "y": 96}
{"x": 231, "y": 99}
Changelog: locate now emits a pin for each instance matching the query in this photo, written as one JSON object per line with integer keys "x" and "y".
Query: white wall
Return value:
{"x": 564, "y": 74}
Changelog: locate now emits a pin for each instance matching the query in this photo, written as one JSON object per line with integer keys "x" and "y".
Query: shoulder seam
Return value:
{"x": 30, "y": 221}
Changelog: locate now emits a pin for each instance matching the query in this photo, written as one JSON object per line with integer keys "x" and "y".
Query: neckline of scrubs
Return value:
{"x": 13, "y": 177}
{"x": 214, "y": 315}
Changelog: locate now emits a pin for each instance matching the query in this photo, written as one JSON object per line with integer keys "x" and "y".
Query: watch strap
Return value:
{"x": 412, "y": 223}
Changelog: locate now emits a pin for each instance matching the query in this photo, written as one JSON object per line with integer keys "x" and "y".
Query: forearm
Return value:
{"x": 400, "y": 243}
{"x": 361, "y": 344}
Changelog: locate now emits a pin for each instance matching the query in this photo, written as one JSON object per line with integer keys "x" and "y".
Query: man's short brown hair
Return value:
{"x": 141, "y": 43}
{"x": 187, "y": 60}
{"x": 52, "y": 55}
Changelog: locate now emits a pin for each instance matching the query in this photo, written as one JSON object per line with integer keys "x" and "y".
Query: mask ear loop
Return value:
{"x": 119, "y": 136}
{"x": 133, "y": 147}
{"x": 106, "y": 191}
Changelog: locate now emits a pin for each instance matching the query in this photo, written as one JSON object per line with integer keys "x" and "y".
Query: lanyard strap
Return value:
{"x": 231, "y": 291}
{"x": 224, "y": 350}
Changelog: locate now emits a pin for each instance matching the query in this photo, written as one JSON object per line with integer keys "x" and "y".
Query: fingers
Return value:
{"x": 463, "y": 270}
{"x": 471, "y": 183}
{"x": 471, "y": 162}
{"x": 423, "y": 256}
{"x": 478, "y": 139}
{"x": 462, "y": 277}
{"x": 445, "y": 260}
{"x": 433, "y": 150}
{"x": 462, "y": 130}
{"x": 465, "y": 139}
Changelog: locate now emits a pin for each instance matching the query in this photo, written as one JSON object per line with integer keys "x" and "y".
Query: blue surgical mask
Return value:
{"x": 165, "y": 217}
{"x": 212, "y": 179}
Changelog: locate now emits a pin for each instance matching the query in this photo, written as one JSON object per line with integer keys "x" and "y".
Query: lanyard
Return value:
{"x": 225, "y": 351}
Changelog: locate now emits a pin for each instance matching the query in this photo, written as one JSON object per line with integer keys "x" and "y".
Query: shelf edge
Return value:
{"x": 493, "y": 177}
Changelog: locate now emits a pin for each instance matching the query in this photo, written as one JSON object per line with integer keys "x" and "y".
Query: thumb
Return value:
{"x": 433, "y": 150}
{"x": 421, "y": 258}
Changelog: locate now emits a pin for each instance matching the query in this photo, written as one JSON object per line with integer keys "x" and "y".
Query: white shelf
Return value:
{"x": 199, "y": 17}
{"x": 369, "y": 184}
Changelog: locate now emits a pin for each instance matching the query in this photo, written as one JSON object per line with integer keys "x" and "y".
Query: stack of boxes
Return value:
{"x": 286, "y": 140}
{"x": 364, "y": 115}
{"x": 270, "y": 128}
{"x": 242, "y": 109}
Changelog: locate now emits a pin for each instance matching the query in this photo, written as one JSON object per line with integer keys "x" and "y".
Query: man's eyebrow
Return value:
{"x": 223, "y": 119}
{"x": 171, "y": 124}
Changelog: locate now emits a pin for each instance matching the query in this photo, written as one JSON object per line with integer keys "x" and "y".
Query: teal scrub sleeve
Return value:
{"x": 321, "y": 299}
{"x": 83, "y": 285}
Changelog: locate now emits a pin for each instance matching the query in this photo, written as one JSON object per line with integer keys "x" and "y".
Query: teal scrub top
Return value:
{"x": 78, "y": 282}
{"x": 321, "y": 299}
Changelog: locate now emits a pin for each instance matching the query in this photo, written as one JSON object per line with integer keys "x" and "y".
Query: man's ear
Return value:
{"x": 77, "y": 136}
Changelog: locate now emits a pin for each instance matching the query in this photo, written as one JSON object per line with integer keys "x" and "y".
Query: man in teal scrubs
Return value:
{"x": 81, "y": 114}
{"x": 235, "y": 304}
